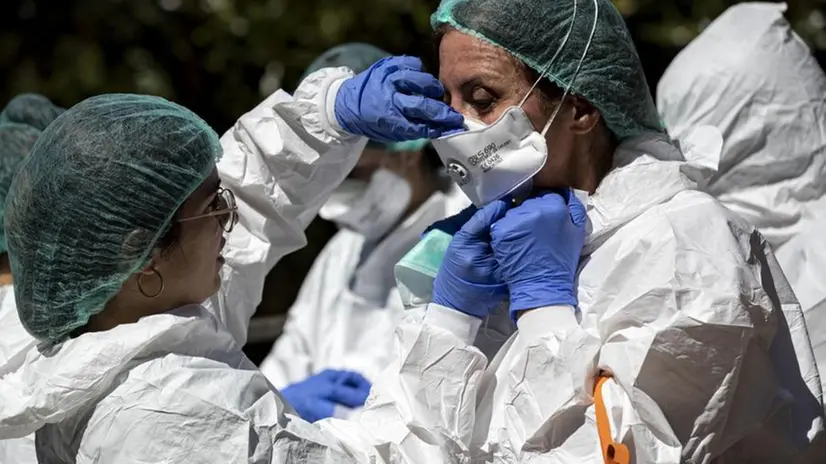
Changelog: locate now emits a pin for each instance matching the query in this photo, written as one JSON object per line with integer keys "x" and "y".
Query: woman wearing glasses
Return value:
{"x": 139, "y": 243}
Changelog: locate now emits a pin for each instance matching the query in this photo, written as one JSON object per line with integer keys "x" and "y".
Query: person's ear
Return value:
{"x": 159, "y": 259}
{"x": 150, "y": 280}
{"x": 150, "y": 267}
{"x": 585, "y": 116}
{"x": 137, "y": 239}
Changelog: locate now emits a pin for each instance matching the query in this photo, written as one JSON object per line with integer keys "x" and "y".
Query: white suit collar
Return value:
{"x": 648, "y": 170}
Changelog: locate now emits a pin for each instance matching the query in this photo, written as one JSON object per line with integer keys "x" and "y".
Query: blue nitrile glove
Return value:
{"x": 468, "y": 279}
{"x": 315, "y": 397}
{"x": 393, "y": 101}
{"x": 537, "y": 245}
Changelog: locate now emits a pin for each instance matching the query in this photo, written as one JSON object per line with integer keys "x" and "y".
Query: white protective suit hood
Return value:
{"x": 752, "y": 77}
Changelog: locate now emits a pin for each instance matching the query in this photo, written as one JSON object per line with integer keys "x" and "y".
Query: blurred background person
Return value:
{"x": 21, "y": 123}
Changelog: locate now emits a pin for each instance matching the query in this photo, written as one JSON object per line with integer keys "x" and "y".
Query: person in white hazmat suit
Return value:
{"x": 673, "y": 311}
{"x": 682, "y": 316}
{"x": 21, "y": 123}
{"x": 123, "y": 195}
{"x": 751, "y": 77}
{"x": 348, "y": 306}
{"x": 115, "y": 231}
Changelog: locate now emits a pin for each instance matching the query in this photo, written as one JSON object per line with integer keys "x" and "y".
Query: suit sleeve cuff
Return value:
{"x": 463, "y": 326}
{"x": 549, "y": 319}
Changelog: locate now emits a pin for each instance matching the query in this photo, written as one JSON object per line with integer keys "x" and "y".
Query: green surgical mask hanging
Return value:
{"x": 416, "y": 271}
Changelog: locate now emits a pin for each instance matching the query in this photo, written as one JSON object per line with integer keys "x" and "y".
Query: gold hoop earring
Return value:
{"x": 140, "y": 284}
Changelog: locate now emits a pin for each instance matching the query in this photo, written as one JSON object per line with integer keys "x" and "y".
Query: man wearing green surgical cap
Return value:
{"x": 21, "y": 123}
{"x": 348, "y": 306}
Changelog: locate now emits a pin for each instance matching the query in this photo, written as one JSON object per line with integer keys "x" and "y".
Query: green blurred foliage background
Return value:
{"x": 221, "y": 57}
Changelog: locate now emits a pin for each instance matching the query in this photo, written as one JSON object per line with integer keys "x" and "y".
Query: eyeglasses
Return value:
{"x": 224, "y": 210}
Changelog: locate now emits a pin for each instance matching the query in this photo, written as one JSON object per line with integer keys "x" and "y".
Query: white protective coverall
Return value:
{"x": 803, "y": 259}
{"x": 14, "y": 340}
{"x": 14, "y": 343}
{"x": 752, "y": 77}
{"x": 680, "y": 300}
{"x": 332, "y": 326}
{"x": 176, "y": 387}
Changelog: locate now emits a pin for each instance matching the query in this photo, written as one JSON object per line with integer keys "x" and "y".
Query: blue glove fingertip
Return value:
{"x": 417, "y": 82}
{"x": 449, "y": 132}
{"x": 484, "y": 218}
{"x": 394, "y": 100}
{"x": 355, "y": 380}
{"x": 403, "y": 62}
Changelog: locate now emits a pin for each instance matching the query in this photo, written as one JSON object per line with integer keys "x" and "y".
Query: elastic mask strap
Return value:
{"x": 576, "y": 72}
{"x": 553, "y": 58}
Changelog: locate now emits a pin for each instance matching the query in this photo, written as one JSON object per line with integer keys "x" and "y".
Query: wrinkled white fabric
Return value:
{"x": 281, "y": 160}
{"x": 803, "y": 259}
{"x": 14, "y": 340}
{"x": 348, "y": 307}
{"x": 680, "y": 299}
{"x": 176, "y": 387}
{"x": 753, "y": 78}
{"x": 14, "y": 343}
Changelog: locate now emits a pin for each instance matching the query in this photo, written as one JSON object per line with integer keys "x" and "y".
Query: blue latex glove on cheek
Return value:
{"x": 394, "y": 101}
{"x": 537, "y": 246}
{"x": 315, "y": 398}
{"x": 468, "y": 279}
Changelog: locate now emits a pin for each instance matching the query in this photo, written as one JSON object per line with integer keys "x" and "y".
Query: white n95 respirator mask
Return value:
{"x": 342, "y": 198}
{"x": 373, "y": 209}
{"x": 489, "y": 162}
